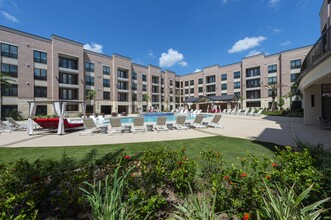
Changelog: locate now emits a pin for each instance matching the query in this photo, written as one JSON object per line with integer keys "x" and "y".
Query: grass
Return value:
{"x": 232, "y": 148}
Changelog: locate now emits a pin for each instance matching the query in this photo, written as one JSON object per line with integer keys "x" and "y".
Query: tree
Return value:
{"x": 281, "y": 102}
{"x": 91, "y": 96}
{"x": 4, "y": 82}
{"x": 273, "y": 87}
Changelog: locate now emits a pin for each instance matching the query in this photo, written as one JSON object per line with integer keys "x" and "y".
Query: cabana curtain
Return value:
{"x": 32, "y": 112}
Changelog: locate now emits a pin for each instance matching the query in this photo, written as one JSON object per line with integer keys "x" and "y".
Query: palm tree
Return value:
{"x": 4, "y": 82}
{"x": 273, "y": 87}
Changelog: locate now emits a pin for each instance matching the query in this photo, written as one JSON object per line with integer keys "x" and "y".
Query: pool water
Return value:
{"x": 152, "y": 117}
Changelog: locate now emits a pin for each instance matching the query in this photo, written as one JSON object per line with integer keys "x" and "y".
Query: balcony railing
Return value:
{"x": 320, "y": 51}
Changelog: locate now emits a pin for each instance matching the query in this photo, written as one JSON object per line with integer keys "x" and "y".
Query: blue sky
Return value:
{"x": 179, "y": 35}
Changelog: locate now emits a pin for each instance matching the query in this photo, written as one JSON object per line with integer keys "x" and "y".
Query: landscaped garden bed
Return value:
{"x": 166, "y": 183}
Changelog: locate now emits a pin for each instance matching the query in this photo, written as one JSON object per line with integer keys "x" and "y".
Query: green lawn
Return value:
{"x": 232, "y": 148}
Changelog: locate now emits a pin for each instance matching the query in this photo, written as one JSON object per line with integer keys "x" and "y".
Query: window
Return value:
{"x": 122, "y": 85}
{"x": 253, "y": 83}
{"x": 270, "y": 92}
{"x": 272, "y": 68}
{"x": 40, "y": 74}
{"x": 155, "y": 98}
{"x": 191, "y": 90}
{"x": 200, "y": 89}
{"x": 236, "y": 75}
{"x": 171, "y": 99}
{"x": 134, "y": 86}
{"x": 191, "y": 82}
{"x": 9, "y": 50}
{"x": 211, "y": 88}
{"x": 236, "y": 85}
{"x": 39, "y": 57}
{"x": 122, "y": 74}
{"x": 224, "y": 93}
{"x": 89, "y": 67}
{"x": 294, "y": 77}
{"x": 272, "y": 80}
{"x": 253, "y": 94}
{"x": 9, "y": 69}
{"x": 224, "y": 86}
{"x": 162, "y": 81}
{"x": 224, "y": 77}
{"x": 89, "y": 80}
{"x": 68, "y": 63}
{"x": 171, "y": 91}
{"x": 171, "y": 82}
{"x": 106, "y": 70}
{"x": 144, "y": 88}
{"x": 200, "y": 81}
{"x": 40, "y": 91}
{"x": 210, "y": 79}
{"x": 106, "y": 82}
{"x": 237, "y": 94}
{"x": 177, "y": 84}
{"x": 9, "y": 90}
{"x": 122, "y": 97}
{"x": 106, "y": 95}
{"x": 68, "y": 94}
{"x": 155, "y": 79}
{"x": 41, "y": 110}
{"x": 134, "y": 75}
{"x": 251, "y": 72}
{"x": 253, "y": 104}
{"x": 186, "y": 91}
{"x": 144, "y": 78}
{"x": 155, "y": 89}
{"x": 134, "y": 97}
{"x": 186, "y": 83}
{"x": 7, "y": 109}
{"x": 66, "y": 78}
{"x": 295, "y": 64}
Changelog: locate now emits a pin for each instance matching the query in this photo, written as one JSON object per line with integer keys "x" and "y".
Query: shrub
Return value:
{"x": 283, "y": 204}
{"x": 114, "y": 114}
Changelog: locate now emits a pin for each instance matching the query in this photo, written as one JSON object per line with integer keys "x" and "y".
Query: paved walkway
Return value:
{"x": 278, "y": 130}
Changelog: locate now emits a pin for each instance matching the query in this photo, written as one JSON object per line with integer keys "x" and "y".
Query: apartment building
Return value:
{"x": 315, "y": 79}
{"x": 59, "y": 68}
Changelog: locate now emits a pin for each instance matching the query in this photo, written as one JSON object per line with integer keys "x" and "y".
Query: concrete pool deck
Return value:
{"x": 278, "y": 130}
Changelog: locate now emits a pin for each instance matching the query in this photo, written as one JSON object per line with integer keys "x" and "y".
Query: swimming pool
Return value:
{"x": 152, "y": 117}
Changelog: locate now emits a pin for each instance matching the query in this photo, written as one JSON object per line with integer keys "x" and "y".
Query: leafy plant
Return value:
{"x": 198, "y": 207}
{"x": 283, "y": 204}
{"x": 106, "y": 200}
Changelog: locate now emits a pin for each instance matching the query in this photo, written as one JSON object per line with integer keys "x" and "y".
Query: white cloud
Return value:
{"x": 286, "y": 43}
{"x": 253, "y": 53}
{"x": 197, "y": 70}
{"x": 171, "y": 58}
{"x": 9, "y": 17}
{"x": 94, "y": 47}
{"x": 274, "y": 3}
{"x": 276, "y": 30}
{"x": 150, "y": 54}
{"x": 246, "y": 44}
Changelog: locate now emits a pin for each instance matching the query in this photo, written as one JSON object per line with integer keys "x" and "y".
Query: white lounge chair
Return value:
{"x": 258, "y": 113}
{"x": 215, "y": 121}
{"x": 161, "y": 124}
{"x": 197, "y": 123}
{"x": 180, "y": 123}
{"x": 224, "y": 111}
{"x": 250, "y": 112}
{"x": 233, "y": 111}
{"x": 138, "y": 125}
{"x": 5, "y": 128}
{"x": 16, "y": 125}
{"x": 115, "y": 126}
{"x": 89, "y": 127}
{"x": 238, "y": 111}
{"x": 245, "y": 112}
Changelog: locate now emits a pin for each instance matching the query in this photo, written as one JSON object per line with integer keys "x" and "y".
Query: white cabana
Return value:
{"x": 59, "y": 108}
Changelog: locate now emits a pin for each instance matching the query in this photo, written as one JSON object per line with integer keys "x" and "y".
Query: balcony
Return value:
{"x": 320, "y": 52}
